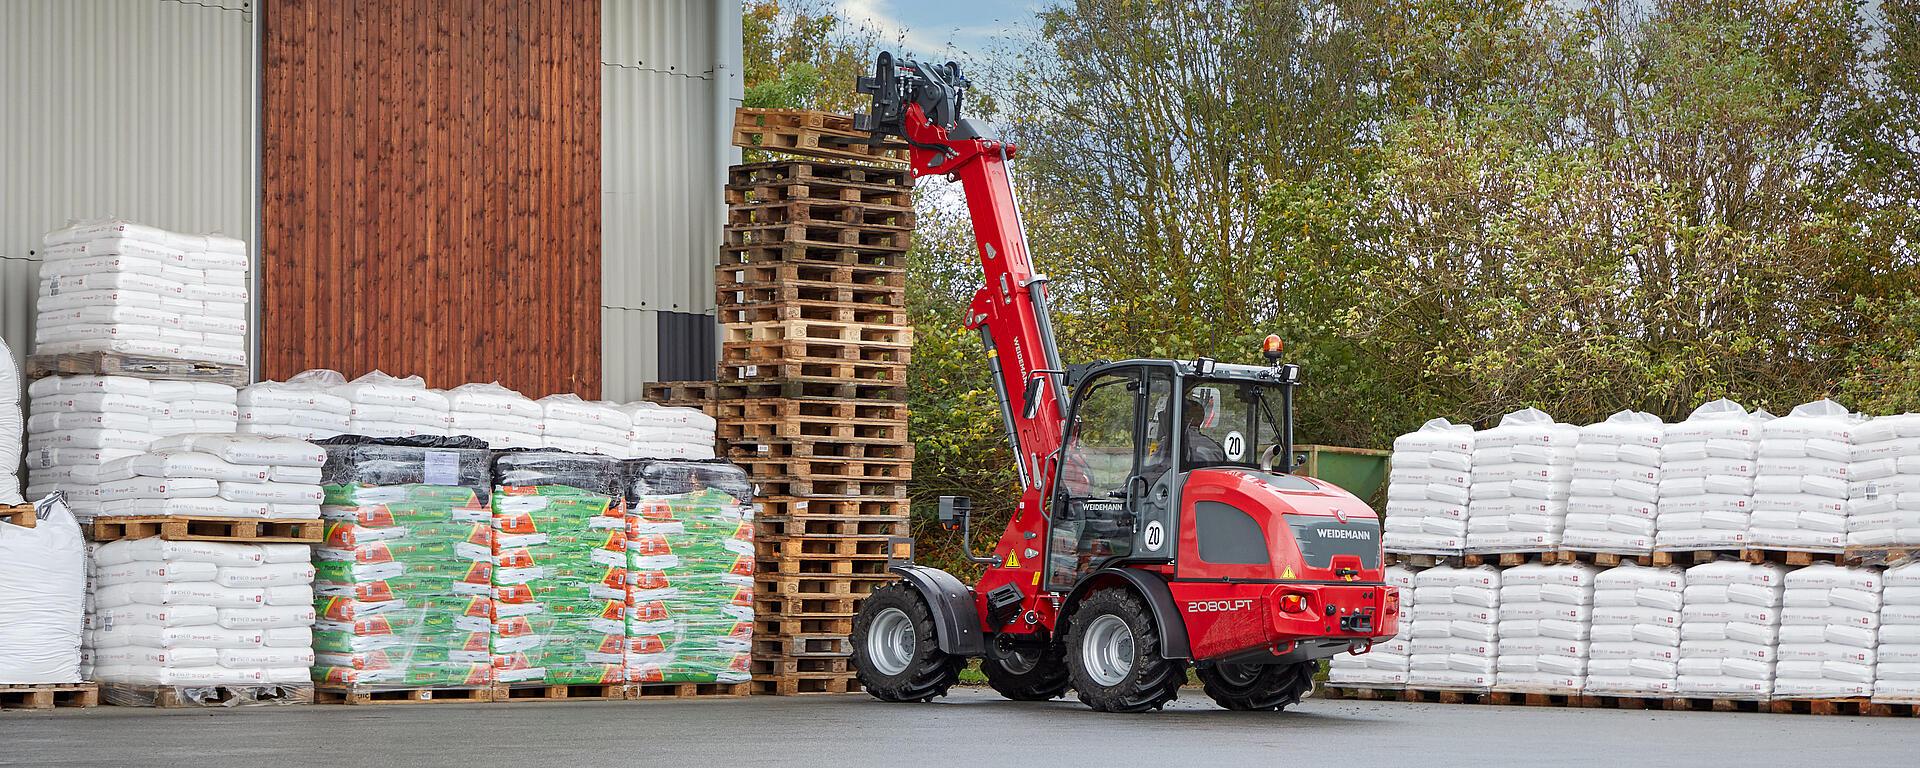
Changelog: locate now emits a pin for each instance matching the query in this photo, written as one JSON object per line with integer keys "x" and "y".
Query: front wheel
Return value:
{"x": 1113, "y": 655}
{"x": 1257, "y": 687}
{"x": 896, "y": 653}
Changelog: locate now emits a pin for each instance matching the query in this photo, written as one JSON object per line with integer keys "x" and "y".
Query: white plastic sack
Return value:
{"x": 43, "y": 576}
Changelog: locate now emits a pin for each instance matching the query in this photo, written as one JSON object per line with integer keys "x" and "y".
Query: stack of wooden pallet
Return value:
{"x": 812, "y": 389}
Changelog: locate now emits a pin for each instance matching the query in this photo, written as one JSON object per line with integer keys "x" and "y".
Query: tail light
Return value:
{"x": 1293, "y": 603}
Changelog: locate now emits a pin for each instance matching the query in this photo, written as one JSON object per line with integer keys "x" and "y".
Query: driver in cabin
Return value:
{"x": 1200, "y": 448}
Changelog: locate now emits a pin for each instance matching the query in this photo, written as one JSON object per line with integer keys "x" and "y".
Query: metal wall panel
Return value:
{"x": 670, "y": 79}
{"x": 136, "y": 109}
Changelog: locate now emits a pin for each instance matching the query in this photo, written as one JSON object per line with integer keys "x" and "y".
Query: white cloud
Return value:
{"x": 879, "y": 15}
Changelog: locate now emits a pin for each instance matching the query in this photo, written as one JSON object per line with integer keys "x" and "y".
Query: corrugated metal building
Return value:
{"x": 148, "y": 109}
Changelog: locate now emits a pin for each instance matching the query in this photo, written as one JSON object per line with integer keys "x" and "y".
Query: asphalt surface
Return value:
{"x": 971, "y": 727}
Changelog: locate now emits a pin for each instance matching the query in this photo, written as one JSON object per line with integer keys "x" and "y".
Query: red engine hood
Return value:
{"x": 1271, "y": 500}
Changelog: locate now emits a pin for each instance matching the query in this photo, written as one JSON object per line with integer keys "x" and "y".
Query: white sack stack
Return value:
{"x": 386, "y": 406}
{"x": 1614, "y": 498}
{"x": 583, "y": 426}
{"x": 498, "y": 415}
{"x": 12, "y": 425}
{"x": 202, "y": 613}
{"x": 1896, "y": 672}
{"x": 77, "y": 423}
{"x": 1455, "y": 633}
{"x": 1829, "y": 625}
{"x": 1883, "y": 492}
{"x": 195, "y": 407}
{"x": 1730, "y": 629}
{"x": 301, "y": 408}
{"x": 1522, "y": 473}
{"x": 666, "y": 432}
{"x": 116, "y": 286}
{"x": 1800, "y": 493}
{"x": 219, "y": 475}
{"x": 1427, "y": 489}
{"x": 1635, "y": 637}
{"x": 43, "y": 583}
{"x": 1546, "y": 616}
{"x": 1385, "y": 664}
{"x": 1707, "y": 466}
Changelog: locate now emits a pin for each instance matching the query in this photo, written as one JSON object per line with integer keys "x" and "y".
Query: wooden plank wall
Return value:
{"x": 432, "y": 190}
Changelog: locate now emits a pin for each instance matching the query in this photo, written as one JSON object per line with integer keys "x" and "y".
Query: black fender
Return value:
{"x": 1159, "y": 597}
{"x": 956, "y": 622}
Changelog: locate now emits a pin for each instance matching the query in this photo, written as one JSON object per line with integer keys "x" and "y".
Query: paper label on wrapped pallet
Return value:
{"x": 442, "y": 467}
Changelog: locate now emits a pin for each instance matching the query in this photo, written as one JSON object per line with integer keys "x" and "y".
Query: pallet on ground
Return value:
{"x": 886, "y": 507}
{"x": 1604, "y": 559}
{"x": 816, "y": 212}
{"x": 820, "y": 448}
{"x": 728, "y": 295}
{"x": 826, "y": 526}
{"x": 802, "y": 684}
{"x": 187, "y": 528}
{"x": 136, "y": 366}
{"x": 1895, "y": 706}
{"x": 1888, "y": 556}
{"x": 827, "y": 311}
{"x": 449, "y": 695}
{"x": 645, "y": 691}
{"x": 1621, "y": 701}
{"x": 169, "y": 696}
{"x": 818, "y": 330}
{"x": 1359, "y": 692}
{"x": 1852, "y": 706}
{"x": 1444, "y": 695}
{"x": 813, "y": 134}
{"x": 1712, "y": 704}
{"x": 559, "y": 691}
{"x": 1533, "y": 698}
{"x": 49, "y": 695}
{"x": 19, "y": 514}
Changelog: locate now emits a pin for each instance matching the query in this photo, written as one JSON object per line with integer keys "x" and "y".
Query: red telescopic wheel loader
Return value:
{"x": 1159, "y": 525}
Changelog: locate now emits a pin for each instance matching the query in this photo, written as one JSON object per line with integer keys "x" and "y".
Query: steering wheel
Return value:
{"x": 1267, "y": 457}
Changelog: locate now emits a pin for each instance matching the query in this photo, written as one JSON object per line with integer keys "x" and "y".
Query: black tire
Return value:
{"x": 1148, "y": 682}
{"x": 1029, "y": 674}
{"x": 926, "y": 671}
{"x": 1257, "y": 687}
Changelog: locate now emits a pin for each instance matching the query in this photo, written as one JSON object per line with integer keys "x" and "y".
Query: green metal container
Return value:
{"x": 1362, "y": 471}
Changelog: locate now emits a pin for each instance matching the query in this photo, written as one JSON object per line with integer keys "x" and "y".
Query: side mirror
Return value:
{"x": 954, "y": 511}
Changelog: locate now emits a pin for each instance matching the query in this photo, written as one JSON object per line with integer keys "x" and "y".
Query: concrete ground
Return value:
{"x": 971, "y": 727}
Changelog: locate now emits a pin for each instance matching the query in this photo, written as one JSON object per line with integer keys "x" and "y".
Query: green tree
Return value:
{"x": 800, "y": 54}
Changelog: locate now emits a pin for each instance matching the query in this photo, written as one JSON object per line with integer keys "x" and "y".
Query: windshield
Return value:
{"x": 1229, "y": 422}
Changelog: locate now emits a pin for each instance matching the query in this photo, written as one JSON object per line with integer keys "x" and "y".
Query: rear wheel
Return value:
{"x": 1256, "y": 687}
{"x": 1113, "y": 655}
{"x": 895, "y": 649}
{"x": 1027, "y": 673}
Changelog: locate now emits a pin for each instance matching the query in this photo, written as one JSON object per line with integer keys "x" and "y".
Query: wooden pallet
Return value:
{"x": 182, "y": 528}
{"x": 804, "y": 684}
{"x": 820, "y": 448}
{"x": 826, "y": 588}
{"x": 559, "y": 692}
{"x": 136, "y": 366}
{"x": 854, "y": 525}
{"x": 1533, "y": 699}
{"x": 1901, "y": 708}
{"x": 801, "y": 607}
{"x": 766, "y": 365}
{"x": 872, "y": 314}
{"x": 882, "y": 548}
{"x": 49, "y": 695}
{"x": 1442, "y": 696}
{"x": 172, "y": 696}
{"x": 830, "y": 468}
{"x": 1359, "y": 692}
{"x": 1423, "y": 559}
{"x": 873, "y": 238}
{"x": 19, "y": 514}
{"x": 815, "y": 173}
{"x": 814, "y": 191}
{"x": 1847, "y": 706}
{"x": 812, "y": 134}
{"x": 1604, "y": 559}
{"x": 877, "y": 362}
{"x": 825, "y": 488}
{"x": 787, "y": 666}
{"x": 1888, "y": 556}
{"x": 812, "y": 212}
{"x": 887, "y": 507}
{"x": 1789, "y": 556}
{"x": 814, "y": 254}
{"x": 1712, "y": 704}
{"x": 789, "y": 273}
{"x": 876, "y": 568}
{"x": 815, "y": 431}
{"x": 1665, "y": 558}
{"x": 1609, "y": 701}
{"x": 831, "y": 645}
{"x": 402, "y": 695}
{"x": 758, "y": 294}
{"x": 819, "y": 330}
{"x": 821, "y": 410}
{"x": 674, "y": 392}
{"x": 639, "y": 691}
{"x": 827, "y": 626}
{"x": 1508, "y": 559}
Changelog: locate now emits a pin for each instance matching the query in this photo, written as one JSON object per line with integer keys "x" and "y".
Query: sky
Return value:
{"x": 943, "y": 28}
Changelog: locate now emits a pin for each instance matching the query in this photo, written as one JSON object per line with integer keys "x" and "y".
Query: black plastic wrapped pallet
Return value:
{"x": 664, "y": 477}
{"x": 589, "y": 472}
{"x": 391, "y": 461}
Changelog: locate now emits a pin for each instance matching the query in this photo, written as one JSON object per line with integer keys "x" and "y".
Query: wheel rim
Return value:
{"x": 1019, "y": 661}
{"x": 1237, "y": 675}
{"x": 1108, "y": 650}
{"x": 890, "y": 641}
